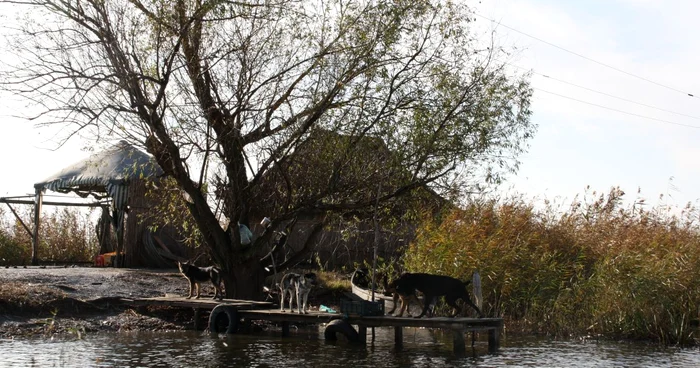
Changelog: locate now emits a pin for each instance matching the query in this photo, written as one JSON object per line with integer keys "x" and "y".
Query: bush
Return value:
{"x": 598, "y": 268}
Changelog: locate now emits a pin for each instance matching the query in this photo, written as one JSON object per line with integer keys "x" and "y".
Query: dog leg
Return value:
{"x": 404, "y": 305}
{"x": 306, "y": 303}
{"x": 426, "y": 304}
{"x": 298, "y": 299}
{"x": 395, "y": 299}
{"x": 282, "y": 295}
{"x": 191, "y": 290}
{"x": 452, "y": 302}
{"x": 196, "y": 284}
{"x": 217, "y": 286}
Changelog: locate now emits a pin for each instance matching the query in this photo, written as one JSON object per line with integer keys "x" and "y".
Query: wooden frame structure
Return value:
{"x": 38, "y": 203}
{"x": 106, "y": 174}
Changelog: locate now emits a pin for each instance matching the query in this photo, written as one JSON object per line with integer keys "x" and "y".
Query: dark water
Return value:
{"x": 306, "y": 348}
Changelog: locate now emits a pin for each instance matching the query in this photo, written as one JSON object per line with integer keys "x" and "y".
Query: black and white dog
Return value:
{"x": 197, "y": 275}
{"x": 299, "y": 285}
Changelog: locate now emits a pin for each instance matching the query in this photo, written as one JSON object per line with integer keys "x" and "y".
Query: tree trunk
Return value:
{"x": 245, "y": 281}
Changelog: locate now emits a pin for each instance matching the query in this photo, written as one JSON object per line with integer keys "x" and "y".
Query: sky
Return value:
{"x": 611, "y": 80}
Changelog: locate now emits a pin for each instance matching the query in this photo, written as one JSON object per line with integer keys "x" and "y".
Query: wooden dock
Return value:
{"x": 205, "y": 303}
{"x": 237, "y": 310}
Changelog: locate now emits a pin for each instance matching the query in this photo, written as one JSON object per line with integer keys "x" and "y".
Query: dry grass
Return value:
{"x": 334, "y": 281}
{"x": 599, "y": 268}
{"x": 26, "y": 295}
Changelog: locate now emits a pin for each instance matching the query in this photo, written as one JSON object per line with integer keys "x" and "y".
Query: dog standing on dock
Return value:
{"x": 294, "y": 284}
{"x": 433, "y": 286}
{"x": 390, "y": 288}
{"x": 197, "y": 275}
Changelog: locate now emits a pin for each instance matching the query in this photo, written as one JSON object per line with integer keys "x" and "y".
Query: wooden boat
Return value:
{"x": 362, "y": 292}
{"x": 360, "y": 281}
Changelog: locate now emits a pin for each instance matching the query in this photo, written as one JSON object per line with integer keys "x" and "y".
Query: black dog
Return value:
{"x": 433, "y": 286}
{"x": 390, "y": 289}
{"x": 197, "y": 275}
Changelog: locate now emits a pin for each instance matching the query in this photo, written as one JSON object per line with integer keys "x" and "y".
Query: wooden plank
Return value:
{"x": 52, "y": 203}
{"x": 470, "y": 324}
{"x": 195, "y": 303}
{"x": 438, "y": 322}
{"x": 277, "y": 316}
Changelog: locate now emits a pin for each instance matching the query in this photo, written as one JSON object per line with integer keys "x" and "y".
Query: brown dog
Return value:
{"x": 197, "y": 275}
{"x": 433, "y": 286}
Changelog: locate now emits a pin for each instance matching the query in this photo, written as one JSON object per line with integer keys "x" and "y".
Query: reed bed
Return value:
{"x": 603, "y": 267}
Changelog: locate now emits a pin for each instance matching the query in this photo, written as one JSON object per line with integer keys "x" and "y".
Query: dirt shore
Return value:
{"x": 80, "y": 300}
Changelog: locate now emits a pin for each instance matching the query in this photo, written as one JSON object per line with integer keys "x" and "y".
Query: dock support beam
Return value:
{"x": 495, "y": 338}
{"x": 285, "y": 329}
{"x": 458, "y": 346}
{"x": 197, "y": 319}
{"x": 398, "y": 337}
{"x": 362, "y": 331}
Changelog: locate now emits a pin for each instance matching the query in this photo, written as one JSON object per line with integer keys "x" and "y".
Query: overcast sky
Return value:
{"x": 632, "y": 124}
{"x": 645, "y": 53}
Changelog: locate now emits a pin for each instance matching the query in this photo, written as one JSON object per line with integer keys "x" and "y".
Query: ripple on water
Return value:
{"x": 307, "y": 348}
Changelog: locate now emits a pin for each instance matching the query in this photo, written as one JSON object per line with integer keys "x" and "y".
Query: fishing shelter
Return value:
{"x": 106, "y": 174}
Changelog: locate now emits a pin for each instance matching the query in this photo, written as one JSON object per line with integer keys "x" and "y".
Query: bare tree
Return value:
{"x": 328, "y": 97}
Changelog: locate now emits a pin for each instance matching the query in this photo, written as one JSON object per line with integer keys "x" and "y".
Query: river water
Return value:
{"x": 306, "y": 348}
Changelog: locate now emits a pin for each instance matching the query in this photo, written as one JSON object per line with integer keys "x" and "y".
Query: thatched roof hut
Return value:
{"x": 117, "y": 173}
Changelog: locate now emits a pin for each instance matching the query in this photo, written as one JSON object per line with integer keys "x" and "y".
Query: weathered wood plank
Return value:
{"x": 208, "y": 303}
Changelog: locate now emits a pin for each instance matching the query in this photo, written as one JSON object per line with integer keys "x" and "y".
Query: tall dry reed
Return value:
{"x": 66, "y": 235}
{"x": 601, "y": 267}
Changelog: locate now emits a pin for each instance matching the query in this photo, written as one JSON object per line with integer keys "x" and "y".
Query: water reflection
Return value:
{"x": 306, "y": 348}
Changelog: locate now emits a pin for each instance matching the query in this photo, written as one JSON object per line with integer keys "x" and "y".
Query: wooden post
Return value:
{"x": 398, "y": 337}
{"x": 362, "y": 331}
{"x": 120, "y": 241}
{"x": 285, "y": 329}
{"x": 494, "y": 339}
{"x": 38, "y": 199}
{"x": 458, "y": 344}
{"x": 197, "y": 318}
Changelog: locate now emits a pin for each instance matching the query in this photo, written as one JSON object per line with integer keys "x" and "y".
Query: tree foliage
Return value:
{"x": 225, "y": 93}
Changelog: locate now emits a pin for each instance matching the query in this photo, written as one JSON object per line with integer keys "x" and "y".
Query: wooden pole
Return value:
{"x": 26, "y": 228}
{"x": 398, "y": 337}
{"x": 120, "y": 242}
{"x": 38, "y": 199}
{"x": 458, "y": 345}
{"x": 495, "y": 338}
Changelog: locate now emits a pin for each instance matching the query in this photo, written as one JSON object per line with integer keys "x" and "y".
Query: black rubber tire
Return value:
{"x": 343, "y": 327}
{"x": 221, "y": 312}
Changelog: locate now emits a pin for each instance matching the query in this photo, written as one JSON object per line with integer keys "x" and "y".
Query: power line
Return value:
{"x": 590, "y": 59}
{"x": 618, "y": 110}
{"x": 604, "y": 93}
